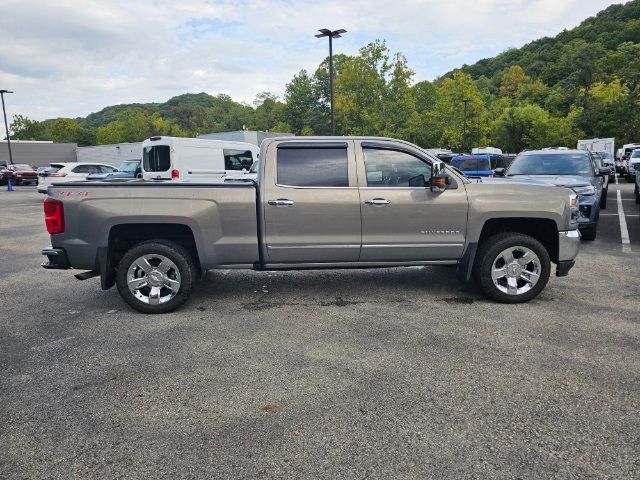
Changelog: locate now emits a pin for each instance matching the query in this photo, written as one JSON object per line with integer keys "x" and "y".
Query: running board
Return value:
{"x": 86, "y": 275}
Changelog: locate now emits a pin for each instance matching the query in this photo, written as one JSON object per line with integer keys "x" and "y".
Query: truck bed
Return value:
{"x": 221, "y": 217}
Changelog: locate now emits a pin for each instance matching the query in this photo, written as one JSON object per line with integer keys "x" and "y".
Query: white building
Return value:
{"x": 110, "y": 154}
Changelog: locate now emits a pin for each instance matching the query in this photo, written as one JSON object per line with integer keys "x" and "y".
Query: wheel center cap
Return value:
{"x": 156, "y": 278}
{"x": 514, "y": 269}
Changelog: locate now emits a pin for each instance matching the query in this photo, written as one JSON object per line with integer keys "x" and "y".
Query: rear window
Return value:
{"x": 471, "y": 164}
{"x": 313, "y": 167}
{"x": 237, "y": 159}
{"x": 22, "y": 166}
{"x": 156, "y": 158}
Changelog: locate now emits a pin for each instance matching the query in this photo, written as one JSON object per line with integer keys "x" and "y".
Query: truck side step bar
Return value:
{"x": 87, "y": 275}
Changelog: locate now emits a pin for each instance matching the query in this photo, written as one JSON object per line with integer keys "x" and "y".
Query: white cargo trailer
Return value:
{"x": 598, "y": 145}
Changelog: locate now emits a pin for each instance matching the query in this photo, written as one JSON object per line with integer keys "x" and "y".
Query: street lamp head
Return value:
{"x": 325, "y": 32}
{"x": 5, "y": 91}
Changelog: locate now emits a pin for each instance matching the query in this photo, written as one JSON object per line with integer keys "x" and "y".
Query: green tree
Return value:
{"x": 22, "y": 128}
{"x": 448, "y": 115}
{"x": 373, "y": 94}
{"x": 304, "y": 109}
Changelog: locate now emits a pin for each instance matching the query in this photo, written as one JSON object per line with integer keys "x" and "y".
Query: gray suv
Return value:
{"x": 574, "y": 169}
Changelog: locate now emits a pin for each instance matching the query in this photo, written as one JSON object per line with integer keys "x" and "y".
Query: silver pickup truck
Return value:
{"x": 329, "y": 202}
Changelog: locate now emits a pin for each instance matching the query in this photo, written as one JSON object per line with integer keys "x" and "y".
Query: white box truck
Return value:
{"x": 598, "y": 145}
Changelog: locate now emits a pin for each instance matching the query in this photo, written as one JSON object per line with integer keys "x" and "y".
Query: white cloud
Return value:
{"x": 69, "y": 58}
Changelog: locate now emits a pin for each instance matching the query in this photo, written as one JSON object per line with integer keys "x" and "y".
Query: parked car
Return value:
{"x": 637, "y": 186}
{"x": 319, "y": 202}
{"x": 70, "y": 172}
{"x": 481, "y": 165}
{"x": 20, "y": 173}
{"x": 605, "y": 186}
{"x": 633, "y": 165}
{"x": 127, "y": 169}
{"x": 608, "y": 161}
{"x": 575, "y": 169}
{"x": 172, "y": 158}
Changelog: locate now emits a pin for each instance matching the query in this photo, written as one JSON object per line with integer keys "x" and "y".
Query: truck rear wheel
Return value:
{"x": 512, "y": 267}
{"x": 156, "y": 276}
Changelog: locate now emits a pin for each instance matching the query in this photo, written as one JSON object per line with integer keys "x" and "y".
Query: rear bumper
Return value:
{"x": 56, "y": 259}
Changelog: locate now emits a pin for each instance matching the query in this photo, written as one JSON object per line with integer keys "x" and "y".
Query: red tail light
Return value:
{"x": 54, "y": 216}
{"x": 175, "y": 174}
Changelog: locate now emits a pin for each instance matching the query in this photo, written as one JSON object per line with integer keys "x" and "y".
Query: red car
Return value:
{"x": 19, "y": 174}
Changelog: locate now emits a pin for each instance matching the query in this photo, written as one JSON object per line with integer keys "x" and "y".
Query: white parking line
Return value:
{"x": 615, "y": 214}
{"x": 624, "y": 233}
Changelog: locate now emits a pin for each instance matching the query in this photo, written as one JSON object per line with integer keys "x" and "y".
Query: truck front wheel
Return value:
{"x": 512, "y": 267}
{"x": 156, "y": 276}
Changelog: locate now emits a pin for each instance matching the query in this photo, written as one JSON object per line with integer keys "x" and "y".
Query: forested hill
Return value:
{"x": 549, "y": 59}
{"x": 584, "y": 82}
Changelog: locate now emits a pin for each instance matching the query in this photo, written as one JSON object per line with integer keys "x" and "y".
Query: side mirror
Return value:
{"x": 602, "y": 171}
{"x": 499, "y": 172}
{"x": 438, "y": 184}
{"x": 418, "y": 181}
{"x": 438, "y": 178}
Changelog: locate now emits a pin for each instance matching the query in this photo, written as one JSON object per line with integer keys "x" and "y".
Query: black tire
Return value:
{"x": 603, "y": 199}
{"x": 489, "y": 251}
{"x": 174, "y": 252}
{"x": 589, "y": 233}
{"x": 635, "y": 190}
{"x": 630, "y": 179}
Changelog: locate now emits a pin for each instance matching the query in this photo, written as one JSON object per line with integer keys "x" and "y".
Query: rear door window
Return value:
{"x": 156, "y": 158}
{"x": 313, "y": 167}
{"x": 237, "y": 159}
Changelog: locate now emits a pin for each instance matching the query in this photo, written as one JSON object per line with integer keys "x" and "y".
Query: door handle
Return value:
{"x": 377, "y": 201}
{"x": 281, "y": 202}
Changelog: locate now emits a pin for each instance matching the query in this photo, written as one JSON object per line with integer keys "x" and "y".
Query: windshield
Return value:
{"x": 605, "y": 155}
{"x": 471, "y": 164}
{"x": 551, "y": 164}
{"x": 22, "y": 166}
{"x": 254, "y": 168}
{"x": 128, "y": 167}
{"x": 635, "y": 154}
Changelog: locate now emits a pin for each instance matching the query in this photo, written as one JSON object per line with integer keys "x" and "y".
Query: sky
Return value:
{"x": 68, "y": 58}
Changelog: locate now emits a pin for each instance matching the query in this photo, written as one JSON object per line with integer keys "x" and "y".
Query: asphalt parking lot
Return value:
{"x": 401, "y": 373}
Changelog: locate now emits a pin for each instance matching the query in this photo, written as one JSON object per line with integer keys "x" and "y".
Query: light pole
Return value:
{"x": 6, "y": 126}
{"x": 464, "y": 126}
{"x": 325, "y": 32}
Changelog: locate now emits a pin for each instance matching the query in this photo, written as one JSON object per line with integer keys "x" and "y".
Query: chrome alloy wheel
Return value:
{"x": 516, "y": 270}
{"x": 153, "y": 279}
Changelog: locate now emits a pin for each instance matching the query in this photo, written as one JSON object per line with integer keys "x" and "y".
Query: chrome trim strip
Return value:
{"x": 298, "y": 266}
{"x": 414, "y": 245}
{"x": 314, "y": 188}
{"x": 280, "y": 247}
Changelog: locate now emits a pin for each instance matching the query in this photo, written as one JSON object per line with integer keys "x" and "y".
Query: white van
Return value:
{"x": 174, "y": 158}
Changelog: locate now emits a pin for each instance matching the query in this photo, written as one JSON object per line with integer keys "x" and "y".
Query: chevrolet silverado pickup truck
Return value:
{"x": 318, "y": 202}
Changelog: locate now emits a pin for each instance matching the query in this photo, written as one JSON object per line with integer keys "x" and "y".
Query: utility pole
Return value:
{"x": 6, "y": 125}
{"x": 325, "y": 32}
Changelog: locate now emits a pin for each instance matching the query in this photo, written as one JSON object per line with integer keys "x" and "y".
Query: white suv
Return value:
{"x": 70, "y": 172}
